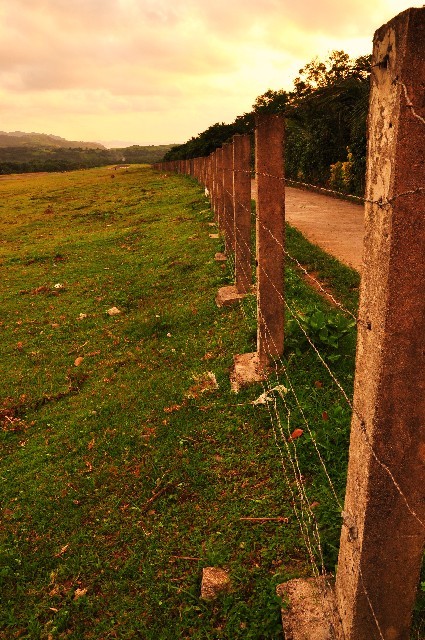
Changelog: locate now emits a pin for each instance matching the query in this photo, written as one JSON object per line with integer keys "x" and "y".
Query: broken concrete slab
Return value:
{"x": 215, "y": 581}
{"x": 310, "y": 610}
{"x": 247, "y": 369}
{"x": 228, "y": 296}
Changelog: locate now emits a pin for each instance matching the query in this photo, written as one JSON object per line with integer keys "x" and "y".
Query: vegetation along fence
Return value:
{"x": 383, "y": 518}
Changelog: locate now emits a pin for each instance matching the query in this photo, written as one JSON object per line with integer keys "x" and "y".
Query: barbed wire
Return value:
{"x": 287, "y": 449}
{"x": 347, "y": 399}
{"x": 410, "y": 104}
{"x": 298, "y": 478}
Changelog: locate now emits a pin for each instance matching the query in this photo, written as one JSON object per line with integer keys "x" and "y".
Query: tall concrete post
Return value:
{"x": 270, "y": 233}
{"x": 219, "y": 210}
{"x": 228, "y": 222}
{"x": 239, "y": 222}
{"x": 269, "y": 169}
{"x": 213, "y": 189}
{"x": 242, "y": 212}
{"x": 383, "y": 536}
{"x": 220, "y": 190}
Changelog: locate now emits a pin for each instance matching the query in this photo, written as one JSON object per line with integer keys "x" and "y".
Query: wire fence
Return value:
{"x": 226, "y": 175}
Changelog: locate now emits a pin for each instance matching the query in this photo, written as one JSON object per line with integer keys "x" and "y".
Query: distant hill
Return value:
{"x": 141, "y": 154}
{"x": 22, "y": 139}
{"x": 26, "y": 152}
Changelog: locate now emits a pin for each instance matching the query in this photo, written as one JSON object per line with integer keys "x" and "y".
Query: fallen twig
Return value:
{"x": 277, "y": 519}
{"x": 156, "y": 495}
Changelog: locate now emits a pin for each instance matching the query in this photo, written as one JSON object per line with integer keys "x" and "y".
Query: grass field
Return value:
{"x": 125, "y": 470}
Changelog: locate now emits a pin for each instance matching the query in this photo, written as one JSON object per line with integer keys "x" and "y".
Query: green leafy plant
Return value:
{"x": 324, "y": 330}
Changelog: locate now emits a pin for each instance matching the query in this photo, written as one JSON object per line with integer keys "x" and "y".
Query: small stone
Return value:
{"x": 113, "y": 311}
{"x": 214, "y": 582}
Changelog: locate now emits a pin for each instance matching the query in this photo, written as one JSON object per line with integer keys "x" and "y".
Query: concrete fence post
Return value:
{"x": 383, "y": 537}
{"x": 269, "y": 170}
{"x": 270, "y": 234}
{"x": 238, "y": 220}
{"x": 228, "y": 223}
{"x": 220, "y": 206}
{"x": 242, "y": 212}
{"x": 213, "y": 189}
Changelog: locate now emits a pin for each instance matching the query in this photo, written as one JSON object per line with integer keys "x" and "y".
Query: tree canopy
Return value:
{"x": 325, "y": 116}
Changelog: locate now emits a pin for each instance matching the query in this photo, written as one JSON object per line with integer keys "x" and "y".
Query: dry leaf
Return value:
{"x": 62, "y": 551}
{"x": 78, "y": 361}
{"x": 172, "y": 408}
{"x": 204, "y": 382}
{"x": 79, "y": 593}
{"x": 296, "y": 434}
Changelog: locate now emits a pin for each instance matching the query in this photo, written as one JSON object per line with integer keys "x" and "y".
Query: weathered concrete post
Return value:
{"x": 219, "y": 202}
{"x": 213, "y": 196}
{"x": 220, "y": 206}
{"x": 269, "y": 169}
{"x": 383, "y": 539}
{"x": 242, "y": 212}
{"x": 270, "y": 233}
{"x": 229, "y": 239}
{"x": 239, "y": 223}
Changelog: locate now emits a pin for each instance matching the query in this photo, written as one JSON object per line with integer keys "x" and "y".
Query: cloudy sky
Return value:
{"x": 161, "y": 71}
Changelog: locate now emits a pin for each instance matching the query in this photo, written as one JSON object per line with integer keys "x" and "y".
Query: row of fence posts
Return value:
{"x": 383, "y": 532}
{"x": 226, "y": 175}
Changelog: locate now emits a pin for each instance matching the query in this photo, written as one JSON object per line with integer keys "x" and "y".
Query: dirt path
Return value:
{"x": 334, "y": 225}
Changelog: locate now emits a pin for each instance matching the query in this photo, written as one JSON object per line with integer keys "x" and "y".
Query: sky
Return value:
{"x": 162, "y": 71}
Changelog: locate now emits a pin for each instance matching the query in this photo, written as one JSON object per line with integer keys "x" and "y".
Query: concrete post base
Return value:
{"x": 311, "y": 612}
{"x": 227, "y": 296}
{"x": 246, "y": 370}
{"x": 220, "y": 257}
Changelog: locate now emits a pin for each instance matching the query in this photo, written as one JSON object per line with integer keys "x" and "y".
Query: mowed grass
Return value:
{"x": 124, "y": 471}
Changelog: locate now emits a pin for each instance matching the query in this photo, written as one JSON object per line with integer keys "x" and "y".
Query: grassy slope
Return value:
{"x": 120, "y": 479}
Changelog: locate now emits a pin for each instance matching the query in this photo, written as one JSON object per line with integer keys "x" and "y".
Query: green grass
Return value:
{"x": 121, "y": 478}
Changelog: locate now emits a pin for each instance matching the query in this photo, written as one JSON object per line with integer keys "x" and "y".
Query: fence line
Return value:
{"x": 384, "y": 505}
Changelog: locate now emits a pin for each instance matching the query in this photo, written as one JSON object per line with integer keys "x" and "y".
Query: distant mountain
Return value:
{"x": 149, "y": 153}
{"x": 24, "y": 153}
{"x": 22, "y": 139}
{"x": 117, "y": 144}
{"x": 122, "y": 144}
